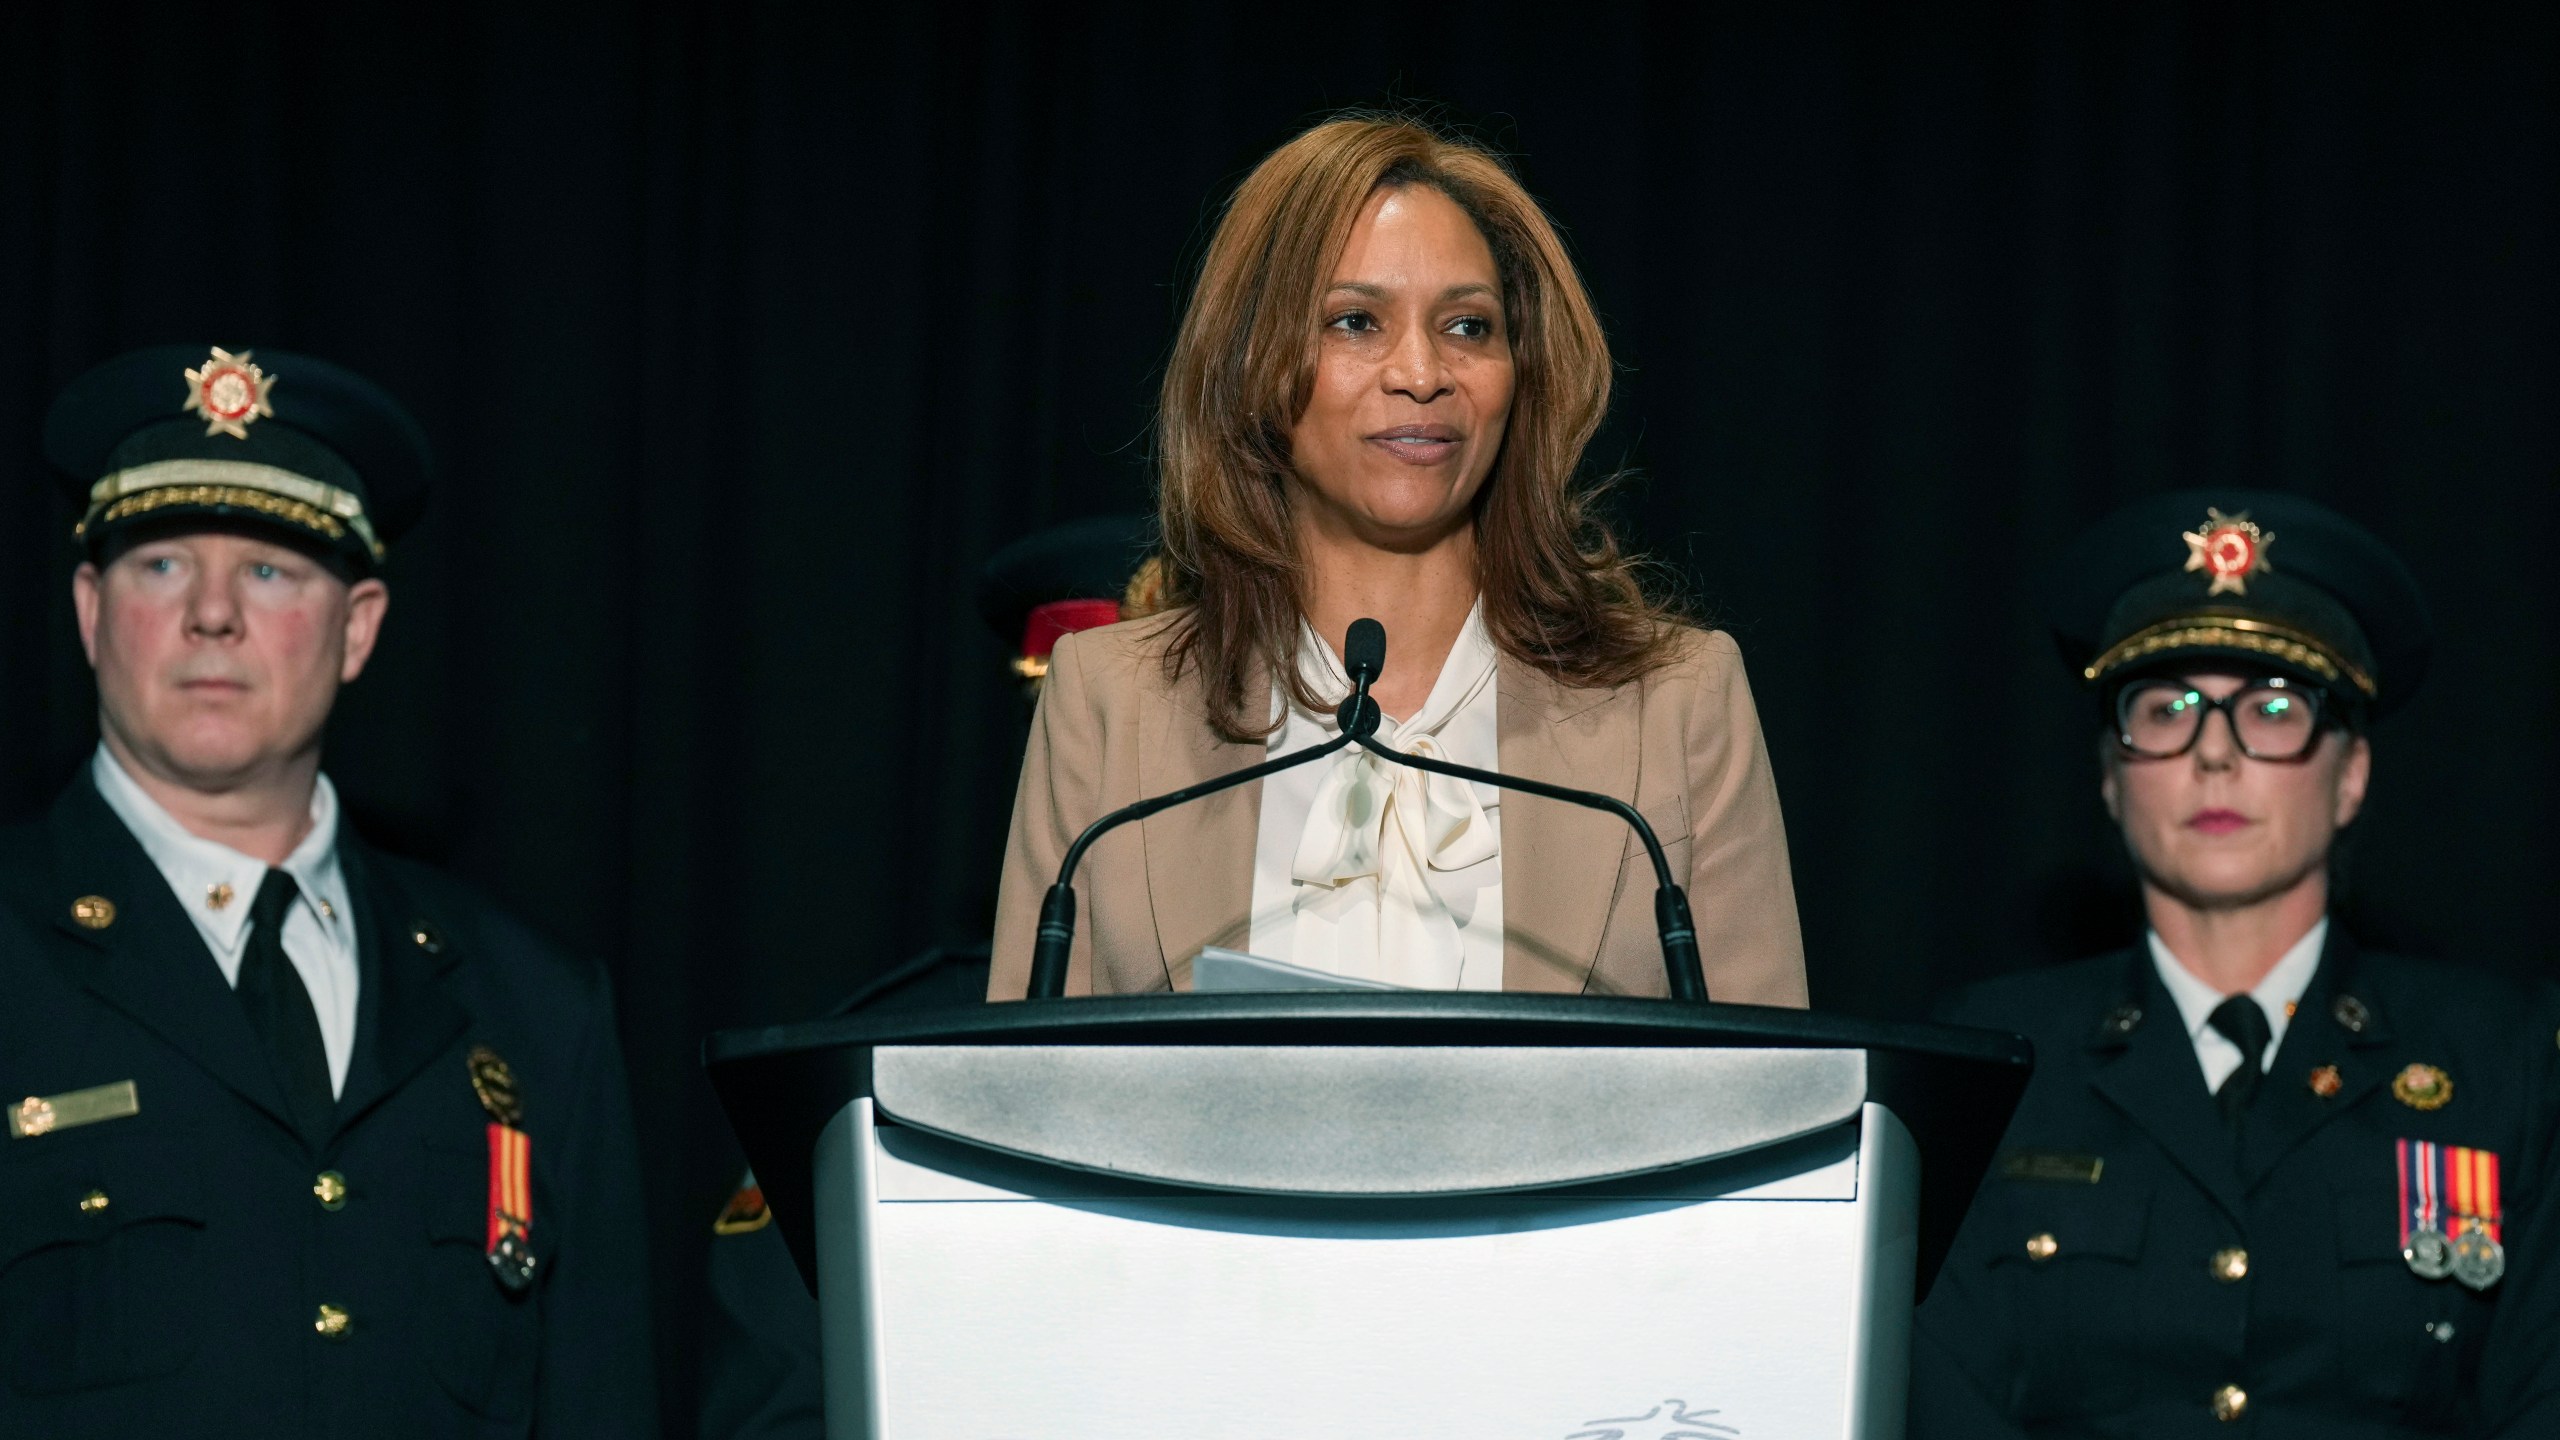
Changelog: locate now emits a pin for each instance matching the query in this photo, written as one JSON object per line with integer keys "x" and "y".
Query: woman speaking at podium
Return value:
{"x": 1376, "y": 407}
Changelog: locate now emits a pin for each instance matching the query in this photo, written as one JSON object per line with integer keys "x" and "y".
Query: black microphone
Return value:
{"x": 1364, "y": 654}
{"x": 1680, "y": 963}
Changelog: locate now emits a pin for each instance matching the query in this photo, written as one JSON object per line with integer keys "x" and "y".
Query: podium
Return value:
{"x": 1382, "y": 1214}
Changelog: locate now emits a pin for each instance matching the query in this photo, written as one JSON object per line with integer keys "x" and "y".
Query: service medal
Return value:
{"x": 2422, "y": 1238}
{"x": 2429, "y": 1254}
{"x": 510, "y": 1235}
{"x": 512, "y": 1262}
{"x": 2471, "y": 1191}
{"x": 2460, "y": 1182}
{"x": 2478, "y": 1261}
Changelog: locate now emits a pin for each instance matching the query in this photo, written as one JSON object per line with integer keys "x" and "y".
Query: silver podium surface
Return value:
{"x": 1025, "y": 1242}
{"x": 1477, "y": 1217}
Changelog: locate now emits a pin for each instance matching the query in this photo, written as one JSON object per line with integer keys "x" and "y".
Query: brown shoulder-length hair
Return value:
{"x": 1558, "y": 593}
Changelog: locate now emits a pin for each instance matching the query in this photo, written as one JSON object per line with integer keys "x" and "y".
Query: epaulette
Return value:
{"x": 745, "y": 1213}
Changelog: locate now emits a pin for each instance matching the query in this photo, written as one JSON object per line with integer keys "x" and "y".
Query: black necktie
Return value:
{"x": 2245, "y": 1025}
{"x": 280, "y": 1009}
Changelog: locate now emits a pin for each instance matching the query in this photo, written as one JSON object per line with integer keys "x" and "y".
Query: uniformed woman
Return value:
{"x": 2264, "y": 1182}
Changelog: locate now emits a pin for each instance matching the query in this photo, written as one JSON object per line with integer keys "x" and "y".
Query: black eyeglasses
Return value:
{"x": 2271, "y": 719}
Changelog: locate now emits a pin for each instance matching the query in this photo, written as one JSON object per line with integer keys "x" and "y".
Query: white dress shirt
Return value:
{"x": 2276, "y": 994}
{"x": 216, "y": 885}
{"x": 1380, "y": 871}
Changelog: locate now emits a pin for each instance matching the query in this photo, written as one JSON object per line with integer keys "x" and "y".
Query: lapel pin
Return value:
{"x": 93, "y": 912}
{"x": 217, "y": 896}
{"x": 2351, "y": 1013}
{"x": 2326, "y": 1082}
{"x": 494, "y": 1081}
{"x": 2422, "y": 1087}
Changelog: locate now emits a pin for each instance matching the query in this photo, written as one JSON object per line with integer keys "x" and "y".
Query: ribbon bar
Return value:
{"x": 510, "y": 1244}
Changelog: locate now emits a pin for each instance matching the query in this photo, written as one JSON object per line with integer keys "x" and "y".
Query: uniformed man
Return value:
{"x": 313, "y": 1141}
{"x": 761, "y": 1360}
{"x": 2264, "y": 1182}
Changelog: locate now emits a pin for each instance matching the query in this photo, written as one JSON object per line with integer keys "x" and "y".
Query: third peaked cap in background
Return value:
{"x": 1067, "y": 578}
{"x": 2256, "y": 576}
{"x": 262, "y": 437}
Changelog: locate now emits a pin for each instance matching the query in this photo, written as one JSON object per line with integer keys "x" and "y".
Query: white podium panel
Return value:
{"x": 973, "y": 1293}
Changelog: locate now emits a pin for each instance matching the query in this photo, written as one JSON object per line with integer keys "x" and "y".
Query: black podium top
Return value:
{"x": 1954, "y": 1088}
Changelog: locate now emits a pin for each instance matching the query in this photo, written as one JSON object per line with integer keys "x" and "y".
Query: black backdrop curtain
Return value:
{"x": 745, "y": 333}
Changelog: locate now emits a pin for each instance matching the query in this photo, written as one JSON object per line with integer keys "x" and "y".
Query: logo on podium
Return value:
{"x": 1670, "y": 1420}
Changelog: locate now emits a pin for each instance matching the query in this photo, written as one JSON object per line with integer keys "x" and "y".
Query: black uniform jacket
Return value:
{"x": 763, "y": 1369}
{"x": 762, "y": 1374}
{"x": 183, "y": 1297}
{"x": 2128, "y": 1325}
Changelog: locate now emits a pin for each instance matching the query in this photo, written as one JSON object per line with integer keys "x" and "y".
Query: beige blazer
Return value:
{"x": 1682, "y": 745}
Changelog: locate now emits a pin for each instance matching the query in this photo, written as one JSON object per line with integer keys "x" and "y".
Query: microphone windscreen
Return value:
{"x": 1364, "y": 650}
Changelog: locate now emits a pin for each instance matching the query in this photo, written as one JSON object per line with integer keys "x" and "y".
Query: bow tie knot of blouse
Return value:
{"x": 1377, "y": 820}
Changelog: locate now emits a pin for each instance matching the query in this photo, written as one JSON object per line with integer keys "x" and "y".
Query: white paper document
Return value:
{"x": 1221, "y": 969}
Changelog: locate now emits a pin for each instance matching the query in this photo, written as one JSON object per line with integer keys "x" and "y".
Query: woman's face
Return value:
{"x": 1413, "y": 376}
{"x": 2217, "y": 830}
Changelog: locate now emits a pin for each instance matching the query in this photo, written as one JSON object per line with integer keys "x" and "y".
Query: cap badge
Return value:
{"x": 2230, "y": 548}
{"x": 230, "y": 393}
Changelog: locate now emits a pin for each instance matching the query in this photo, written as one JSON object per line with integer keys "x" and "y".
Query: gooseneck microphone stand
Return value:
{"x": 1364, "y": 655}
{"x": 1680, "y": 963}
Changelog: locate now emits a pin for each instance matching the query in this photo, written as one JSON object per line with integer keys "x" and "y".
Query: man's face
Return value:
{"x": 218, "y": 655}
{"x": 2218, "y": 830}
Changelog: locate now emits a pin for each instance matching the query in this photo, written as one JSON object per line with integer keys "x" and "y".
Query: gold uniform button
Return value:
{"x": 333, "y": 1323}
{"x": 2230, "y": 1403}
{"x": 331, "y": 1190}
{"x": 2230, "y": 1265}
{"x": 2041, "y": 1248}
{"x": 93, "y": 1202}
